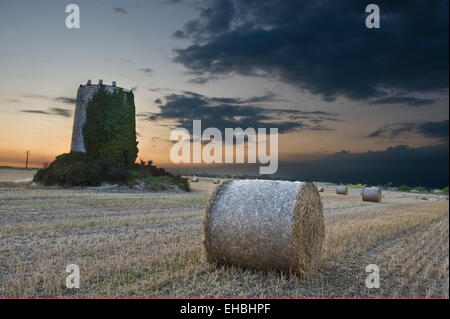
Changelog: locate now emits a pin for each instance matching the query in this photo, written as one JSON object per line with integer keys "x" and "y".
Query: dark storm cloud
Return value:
{"x": 434, "y": 129}
{"x": 412, "y": 101}
{"x": 324, "y": 47}
{"x": 121, "y": 10}
{"x": 401, "y": 165}
{"x": 235, "y": 112}
{"x": 267, "y": 97}
{"x": 179, "y": 35}
{"x": 51, "y": 111}
{"x": 430, "y": 129}
{"x": 393, "y": 130}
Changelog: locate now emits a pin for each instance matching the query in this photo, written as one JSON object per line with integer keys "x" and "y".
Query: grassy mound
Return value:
{"x": 156, "y": 178}
{"x": 79, "y": 169}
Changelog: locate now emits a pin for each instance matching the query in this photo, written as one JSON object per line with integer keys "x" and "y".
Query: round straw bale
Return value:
{"x": 216, "y": 181}
{"x": 194, "y": 179}
{"x": 321, "y": 190}
{"x": 342, "y": 190}
{"x": 371, "y": 194}
{"x": 259, "y": 224}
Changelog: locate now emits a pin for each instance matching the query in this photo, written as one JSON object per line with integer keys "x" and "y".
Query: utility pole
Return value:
{"x": 26, "y": 163}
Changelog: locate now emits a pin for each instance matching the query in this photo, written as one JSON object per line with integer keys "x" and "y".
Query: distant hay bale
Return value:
{"x": 194, "y": 179}
{"x": 267, "y": 225}
{"x": 342, "y": 190}
{"x": 321, "y": 190}
{"x": 216, "y": 181}
{"x": 371, "y": 194}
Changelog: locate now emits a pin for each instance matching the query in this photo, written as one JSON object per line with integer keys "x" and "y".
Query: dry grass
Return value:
{"x": 149, "y": 245}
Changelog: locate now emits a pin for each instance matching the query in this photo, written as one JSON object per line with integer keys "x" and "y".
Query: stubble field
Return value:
{"x": 140, "y": 244}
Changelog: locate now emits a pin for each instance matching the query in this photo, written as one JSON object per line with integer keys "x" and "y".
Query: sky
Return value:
{"x": 350, "y": 103}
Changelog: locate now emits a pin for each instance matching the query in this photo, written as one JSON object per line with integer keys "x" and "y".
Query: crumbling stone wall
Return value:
{"x": 84, "y": 94}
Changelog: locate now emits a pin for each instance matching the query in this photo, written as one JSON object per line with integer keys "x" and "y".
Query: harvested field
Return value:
{"x": 140, "y": 244}
{"x": 16, "y": 175}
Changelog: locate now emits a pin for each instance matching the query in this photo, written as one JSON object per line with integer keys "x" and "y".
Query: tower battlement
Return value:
{"x": 113, "y": 85}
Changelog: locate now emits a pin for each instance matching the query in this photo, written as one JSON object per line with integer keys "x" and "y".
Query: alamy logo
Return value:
{"x": 211, "y": 152}
{"x": 73, "y": 19}
{"x": 373, "y": 19}
{"x": 73, "y": 280}
{"x": 373, "y": 279}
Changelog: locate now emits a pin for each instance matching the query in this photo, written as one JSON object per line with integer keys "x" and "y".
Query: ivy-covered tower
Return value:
{"x": 104, "y": 124}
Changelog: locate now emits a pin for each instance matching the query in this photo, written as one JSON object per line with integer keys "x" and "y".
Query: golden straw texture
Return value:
{"x": 265, "y": 225}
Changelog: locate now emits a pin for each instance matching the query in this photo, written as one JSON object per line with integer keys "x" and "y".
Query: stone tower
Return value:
{"x": 84, "y": 94}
